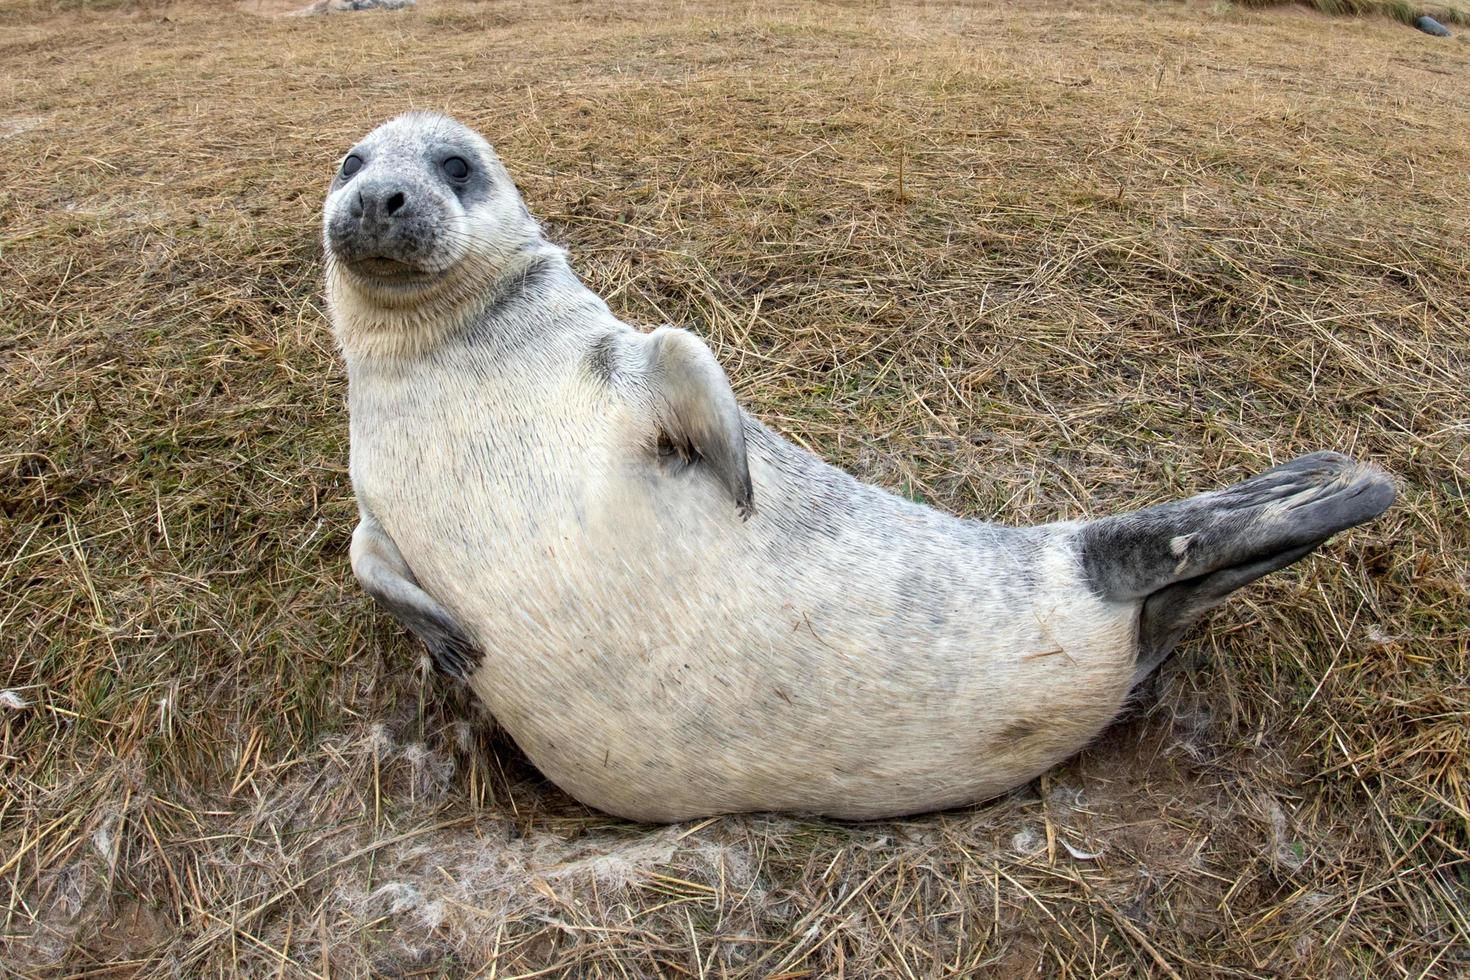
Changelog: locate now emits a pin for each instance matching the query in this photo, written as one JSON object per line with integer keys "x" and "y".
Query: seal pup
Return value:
{"x": 674, "y": 611}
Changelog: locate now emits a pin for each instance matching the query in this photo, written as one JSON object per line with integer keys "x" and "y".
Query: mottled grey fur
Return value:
{"x": 677, "y": 612}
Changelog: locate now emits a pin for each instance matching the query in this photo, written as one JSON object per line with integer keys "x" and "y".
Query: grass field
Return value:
{"x": 1020, "y": 261}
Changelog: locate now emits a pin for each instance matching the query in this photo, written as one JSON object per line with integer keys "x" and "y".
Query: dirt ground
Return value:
{"x": 1021, "y": 261}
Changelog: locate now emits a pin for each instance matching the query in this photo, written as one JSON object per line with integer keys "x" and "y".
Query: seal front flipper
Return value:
{"x": 1184, "y": 558}
{"x": 696, "y": 411}
{"x": 385, "y": 576}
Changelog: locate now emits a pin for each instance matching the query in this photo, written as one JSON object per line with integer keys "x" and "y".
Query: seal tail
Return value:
{"x": 1185, "y": 557}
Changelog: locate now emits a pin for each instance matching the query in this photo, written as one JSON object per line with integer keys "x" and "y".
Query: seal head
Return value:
{"x": 420, "y": 220}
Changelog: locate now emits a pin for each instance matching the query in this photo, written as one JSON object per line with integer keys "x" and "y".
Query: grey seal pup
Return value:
{"x": 674, "y": 611}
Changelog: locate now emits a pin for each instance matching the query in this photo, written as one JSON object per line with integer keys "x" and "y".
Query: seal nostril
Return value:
{"x": 394, "y": 203}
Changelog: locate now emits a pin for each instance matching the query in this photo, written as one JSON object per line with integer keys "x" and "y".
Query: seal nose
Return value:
{"x": 390, "y": 217}
{"x": 380, "y": 205}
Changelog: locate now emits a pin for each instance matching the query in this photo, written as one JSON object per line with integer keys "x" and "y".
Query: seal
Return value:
{"x": 674, "y": 611}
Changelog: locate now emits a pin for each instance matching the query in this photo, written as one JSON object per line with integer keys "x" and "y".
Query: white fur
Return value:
{"x": 842, "y": 651}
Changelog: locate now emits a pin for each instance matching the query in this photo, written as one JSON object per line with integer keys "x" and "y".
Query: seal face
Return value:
{"x": 397, "y": 218}
{"x": 673, "y": 610}
{"x": 419, "y": 218}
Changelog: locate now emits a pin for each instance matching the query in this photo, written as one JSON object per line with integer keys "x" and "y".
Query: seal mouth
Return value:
{"x": 384, "y": 267}
{"x": 381, "y": 271}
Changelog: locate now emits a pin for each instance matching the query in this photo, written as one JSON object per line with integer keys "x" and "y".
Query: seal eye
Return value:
{"x": 456, "y": 168}
{"x": 351, "y": 165}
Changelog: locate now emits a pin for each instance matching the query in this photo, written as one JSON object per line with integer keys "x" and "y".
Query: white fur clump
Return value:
{"x": 60, "y": 905}
{"x": 1026, "y": 841}
{"x": 12, "y": 700}
{"x": 464, "y": 735}
{"x": 104, "y": 838}
{"x": 1287, "y": 849}
{"x": 462, "y": 887}
{"x": 615, "y": 868}
{"x": 398, "y": 897}
{"x": 734, "y": 865}
{"x": 380, "y": 741}
{"x": 430, "y": 772}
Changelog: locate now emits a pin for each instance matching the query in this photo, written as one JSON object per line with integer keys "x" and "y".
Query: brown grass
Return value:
{"x": 1405, "y": 11}
{"x": 1022, "y": 261}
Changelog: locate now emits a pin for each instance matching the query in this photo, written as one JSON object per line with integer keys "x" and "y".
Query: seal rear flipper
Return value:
{"x": 1169, "y": 612}
{"x": 385, "y": 576}
{"x": 696, "y": 410}
{"x": 1185, "y": 557}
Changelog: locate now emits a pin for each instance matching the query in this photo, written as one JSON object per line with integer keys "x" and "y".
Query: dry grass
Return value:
{"x": 1028, "y": 261}
{"x": 1405, "y": 11}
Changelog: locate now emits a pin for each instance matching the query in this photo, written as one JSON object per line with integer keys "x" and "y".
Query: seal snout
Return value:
{"x": 387, "y": 229}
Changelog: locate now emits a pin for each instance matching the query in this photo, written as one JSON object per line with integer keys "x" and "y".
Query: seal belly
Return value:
{"x": 663, "y": 659}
